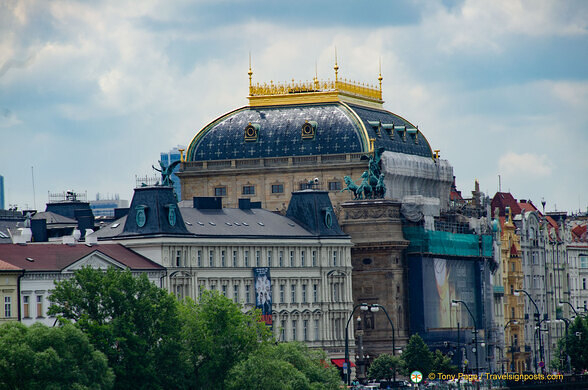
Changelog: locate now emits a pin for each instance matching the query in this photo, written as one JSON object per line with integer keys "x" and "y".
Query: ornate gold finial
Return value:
{"x": 181, "y": 155}
{"x": 336, "y": 67}
{"x": 250, "y": 73}
{"x": 316, "y": 80}
{"x": 372, "y": 142}
{"x": 380, "y": 78}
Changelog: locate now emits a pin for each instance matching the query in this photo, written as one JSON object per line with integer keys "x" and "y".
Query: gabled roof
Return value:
{"x": 579, "y": 233}
{"x": 4, "y": 266}
{"x": 54, "y": 218}
{"x": 57, "y": 257}
{"x": 503, "y": 200}
{"x": 514, "y": 251}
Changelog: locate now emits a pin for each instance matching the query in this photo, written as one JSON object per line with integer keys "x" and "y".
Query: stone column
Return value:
{"x": 379, "y": 271}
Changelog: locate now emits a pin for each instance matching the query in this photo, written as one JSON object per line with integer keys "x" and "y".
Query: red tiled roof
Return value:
{"x": 513, "y": 251}
{"x": 527, "y": 206}
{"x": 579, "y": 233}
{"x": 4, "y": 266}
{"x": 503, "y": 200}
{"x": 56, "y": 257}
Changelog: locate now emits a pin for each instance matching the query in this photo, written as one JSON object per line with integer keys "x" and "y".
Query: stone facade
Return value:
{"x": 379, "y": 272}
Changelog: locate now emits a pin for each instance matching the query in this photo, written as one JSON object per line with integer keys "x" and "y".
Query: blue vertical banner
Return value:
{"x": 263, "y": 293}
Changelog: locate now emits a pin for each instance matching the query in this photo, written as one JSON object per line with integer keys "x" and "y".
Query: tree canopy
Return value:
{"x": 575, "y": 344}
{"x": 132, "y": 321}
{"x": 284, "y": 366}
{"x": 417, "y": 356}
{"x": 39, "y": 357}
{"x": 385, "y": 366}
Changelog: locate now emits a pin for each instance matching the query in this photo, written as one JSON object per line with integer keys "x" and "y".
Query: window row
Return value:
{"x": 297, "y": 330}
{"x": 255, "y": 258}
{"x": 277, "y": 188}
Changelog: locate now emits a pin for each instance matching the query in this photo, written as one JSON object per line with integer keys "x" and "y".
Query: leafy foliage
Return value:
{"x": 384, "y": 367}
{"x": 284, "y": 366}
{"x": 132, "y": 321}
{"x": 417, "y": 356}
{"x": 575, "y": 344}
{"x": 40, "y": 357}
{"x": 442, "y": 363}
{"x": 217, "y": 335}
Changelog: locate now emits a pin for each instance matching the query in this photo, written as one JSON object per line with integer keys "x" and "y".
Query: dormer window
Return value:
{"x": 389, "y": 128}
{"x": 252, "y": 132}
{"x": 401, "y": 131}
{"x": 376, "y": 125}
{"x": 309, "y": 130}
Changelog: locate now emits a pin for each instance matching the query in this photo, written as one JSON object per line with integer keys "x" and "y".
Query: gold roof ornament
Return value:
{"x": 315, "y": 91}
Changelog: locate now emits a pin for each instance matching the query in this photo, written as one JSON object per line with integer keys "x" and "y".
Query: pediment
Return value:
{"x": 96, "y": 260}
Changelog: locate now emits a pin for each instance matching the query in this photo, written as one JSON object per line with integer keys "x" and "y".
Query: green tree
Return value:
{"x": 132, "y": 321}
{"x": 442, "y": 363}
{"x": 417, "y": 356}
{"x": 284, "y": 366}
{"x": 385, "y": 366}
{"x": 575, "y": 344}
{"x": 40, "y": 357}
{"x": 218, "y": 335}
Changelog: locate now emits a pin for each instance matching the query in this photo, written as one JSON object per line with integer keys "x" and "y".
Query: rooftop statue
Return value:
{"x": 372, "y": 185}
{"x": 166, "y": 172}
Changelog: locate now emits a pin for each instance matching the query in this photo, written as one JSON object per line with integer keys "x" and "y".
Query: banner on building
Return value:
{"x": 263, "y": 293}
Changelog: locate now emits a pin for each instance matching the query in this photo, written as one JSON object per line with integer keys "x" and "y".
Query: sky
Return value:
{"x": 91, "y": 92}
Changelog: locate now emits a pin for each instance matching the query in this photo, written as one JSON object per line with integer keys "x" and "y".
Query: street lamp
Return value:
{"x": 538, "y": 320}
{"x": 512, "y": 363}
{"x": 561, "y": 303}
{"x": 374, "y": 308}
{"x": 454, "y": 303}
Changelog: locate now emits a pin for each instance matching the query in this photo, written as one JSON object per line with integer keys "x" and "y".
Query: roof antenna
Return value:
{"x": 316, "y": 82}
{"x": 380, "y": 78}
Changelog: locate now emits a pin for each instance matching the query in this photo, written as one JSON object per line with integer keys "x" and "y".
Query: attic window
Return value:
{"x": 30, "y": 259}
{"x": 252, "y": 132}
{"x": 402, "y": 131}
{"x": 236, "y": 224}
{"x": 245, "y": 224}
{"x": 291, "y": 224}
{"x": 260, "y": 223}
{"x": 3, "y": 235}
{"x": 228, "y": 224}
{"x": 389, "y": 128}
{"x": 200, "y": 223}
{"x": 309, "y": 130}
{"x": 376, "y": 125}
{"x": 115, "y": 225}
{"x": 212, "y": 223}
{"x": 414, "y": 133}
{"x": 188, "y": 223}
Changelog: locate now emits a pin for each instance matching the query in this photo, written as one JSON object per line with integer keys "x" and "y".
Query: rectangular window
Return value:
{"x": 334, "y": 185}
{"x": 258, "y": 258}
{"x": 304, "y": 293}
{"x": 277, "y": 188}
{"x": 281, "y": 258}
{"x": 294, "y": 325}
{"x": 199, "y": 258}
{"x": 236, "y": 293}
{"x": 314, "y": 258}
{"x": 336, "y": 292}
{"x": 26, "y": 306}
{"x": 7, "y": 307}
{"x": 291, "y": 258}
{"x": 234, "y": 258}
{"x": 223, "y": 258}
{"x": 212, "y": 287}
{"x": 583, "y": 261}
{"x": 316, "y": 330}
{"x": 335, "y": 258}
{"x": 247, "y": 293}
{"x": 305, "y": 329}
{"x": 39, "y": 306}
{"x": 302, "y": 260}
{"x": 248, "y": 190}
{"x": 211, "y": 258}
{"x": 293, "y": 294}
{"x": 282, "y": 296}
{"x": 283, "y": 334}
{"x": 178, "y": 258}
{"x": 246, "y": 258}
{"x": 220, "y": 191}
{"x": 269, "y": 258}
{"x": 224, "y": 289}
{"x": 315, "y": 293}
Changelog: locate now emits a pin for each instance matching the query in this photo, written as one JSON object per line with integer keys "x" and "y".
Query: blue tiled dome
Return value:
{"x": 276, "y": 131}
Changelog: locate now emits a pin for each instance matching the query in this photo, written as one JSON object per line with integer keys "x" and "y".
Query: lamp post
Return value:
{"x": 347, "y": 367}
{"x": 365, "y": 307}
{"x": 538, "y": 320}
{"x": 512, "y": 363}
{"x": 573, "y": 308}
{"x": 454, "y": 302}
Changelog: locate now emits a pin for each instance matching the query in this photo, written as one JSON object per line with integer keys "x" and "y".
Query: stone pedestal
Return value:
{"x": 379, "y": 271}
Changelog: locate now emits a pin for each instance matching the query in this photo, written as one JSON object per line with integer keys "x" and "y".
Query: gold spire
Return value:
{"x": 250, "y": 73}
{"x": 336, "y": 67}
{"x": 380, "y": 78}
{"x": 316, "y": 80}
